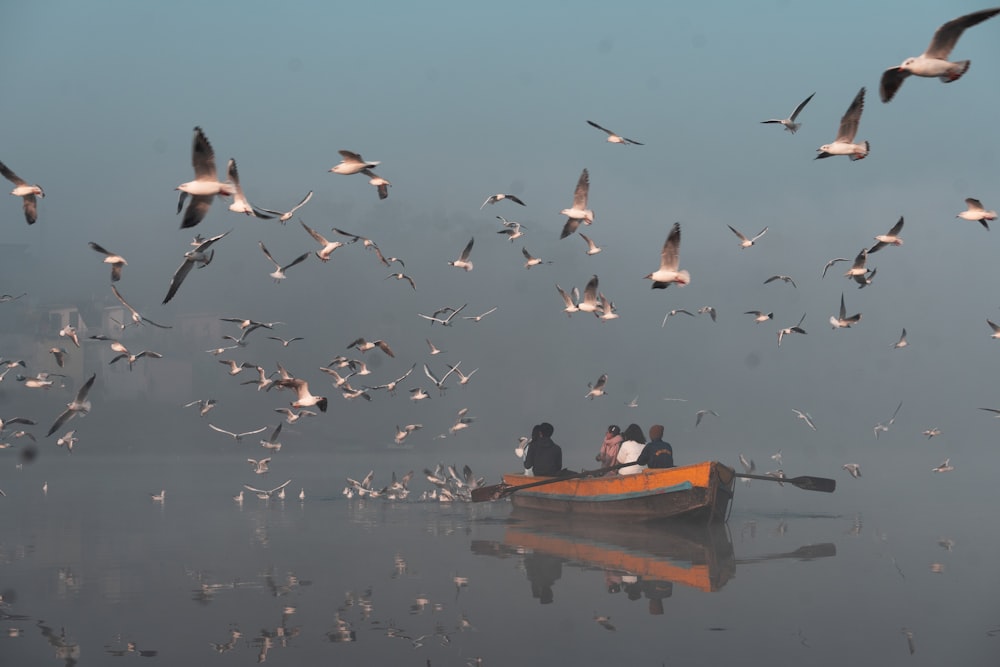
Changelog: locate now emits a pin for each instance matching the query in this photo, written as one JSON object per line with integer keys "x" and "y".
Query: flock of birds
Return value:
{"x": 347, "y": 373}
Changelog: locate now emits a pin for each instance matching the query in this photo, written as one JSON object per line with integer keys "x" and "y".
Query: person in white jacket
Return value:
{"x": 632, "y": 445}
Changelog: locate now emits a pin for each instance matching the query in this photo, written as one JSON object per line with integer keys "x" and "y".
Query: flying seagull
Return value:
{"x": 328, "y": 246}
{"x": 240, "y": 202}
{"x": 790, "y": 330}
{"x": 789, "y": 123}
{"x": 381, "y": 184}
{"x": 891, "y": 238}
{"x": 78, "y": 406}
{"x": 597, "y": 388}
{"x": 844, "y": 143}
{"x": 206, "y": 184}
{"x": 976, "y": 213}
{"x": 279, "y": 271}
{"x": 500, "y": 196}
{"x": 787, "y": 279}
{"x": 115, "y": 260}
{"x": 613, "y": 137}
{"x": 669, "y": 261}
{"x": 934, "y": 61}
{"x": 238, "y": 437}
{"x": 744, "y": 241}
{"x": 578, "y": 212}
{"x": 804, "y": 416}
{"x": 843, "y": 321}
{"x": 26, "y": 192}
{"x": 352, "y": 163}
{"x": 137, "y": 319}
{"x": 463, "y": 260}
{"x": 198, "y": 256}
{"x": 287, "y": 215}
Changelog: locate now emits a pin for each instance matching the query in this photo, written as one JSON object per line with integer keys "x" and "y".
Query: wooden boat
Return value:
{"x": 699, "y": 492}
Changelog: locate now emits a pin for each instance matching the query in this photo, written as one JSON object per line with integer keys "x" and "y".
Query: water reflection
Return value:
{"x": 637, "y": 561}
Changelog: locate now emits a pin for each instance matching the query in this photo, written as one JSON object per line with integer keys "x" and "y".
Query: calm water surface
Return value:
{"x": 90, "y": 571}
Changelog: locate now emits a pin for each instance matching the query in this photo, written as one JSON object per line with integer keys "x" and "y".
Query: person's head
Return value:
{"x": 614, "y": 430}
{"x": 634, "y": 433}
{"x": 536, "y": 432}
{"x": 655, "y": 432}
{"x": 546, "y": 429}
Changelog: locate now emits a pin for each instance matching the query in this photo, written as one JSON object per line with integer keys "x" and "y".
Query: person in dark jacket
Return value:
{"x": 544, "y": 457}
{"x": 656, "y": 453}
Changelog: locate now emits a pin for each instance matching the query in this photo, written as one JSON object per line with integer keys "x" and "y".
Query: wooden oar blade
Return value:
{"x": 485, "y": 493}
{"x": 822, "y": 484}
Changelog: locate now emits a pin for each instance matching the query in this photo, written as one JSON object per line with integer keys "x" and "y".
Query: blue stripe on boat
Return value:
{"x": 683, "y": 486}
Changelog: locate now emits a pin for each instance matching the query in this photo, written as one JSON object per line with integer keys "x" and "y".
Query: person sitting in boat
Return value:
{"x": 608, "y": 456}
{"x": 656, "y": 453}
{"x": 544, "y": 457}
{"x": 633, "y": 442}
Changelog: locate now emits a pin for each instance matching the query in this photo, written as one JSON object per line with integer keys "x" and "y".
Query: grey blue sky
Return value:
{"x": 459, "y": 102}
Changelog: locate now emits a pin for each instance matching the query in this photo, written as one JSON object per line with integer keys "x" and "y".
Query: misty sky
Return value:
{"x": 459, "y": 102}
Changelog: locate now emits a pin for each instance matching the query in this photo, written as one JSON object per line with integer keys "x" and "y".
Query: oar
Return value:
{"x": 498, "y": 491}
{"x": 824, "y": 484}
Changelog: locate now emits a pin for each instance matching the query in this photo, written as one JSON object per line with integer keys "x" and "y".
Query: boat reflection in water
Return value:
{"x": 641, "y": 561}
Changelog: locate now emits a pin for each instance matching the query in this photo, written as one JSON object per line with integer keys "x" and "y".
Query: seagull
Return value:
{"x": 891, "y": 238}
{"x": 748, "y": 466}
{"x": 279, "y": 271}
{"x": 68, "y": 440}
{"x": 238, "y": 437}
{"x": 478, "y": 318}
{"x": 995, "y": 327}
{"x": 205, "y": 185}
{"x": 844, "y": 322}
{"x": 260, "y": 467}
{"x": 759, "y": 316}
{"x": 137, "y": 319}
{"x": 234, "y": 368}
{"x": 263, "y": 380}
{"x": 328, "y": 246}
{"x": 452, "y": 312}
{"x": 852, "y": 468}
{"x": 115, "y": 260}
{"x": 671, "y": 313}
{"x": 612, "y": 137}
{"x": 5, "y": 298}
{"x": 240, "y": 203}
{"x": 69, "y": 331}
{"x": 438, "y": 383}
{"x": 570, "y": 299}
{"x": 402, "y": 276}
{"x": 710, "y": 310}
{"x": 303, "y": 399}
{"x": 266, "y": 495}
{"x": 607, "y": 308}
{"x": 352, "y": 163}
{"x": 159, "y": 497}
{"x": 204, "y": 405}
{"x": 789, "y": 123}
{"x": 578, "y": 212}
{"x": 434, "y": 349}
{"x": 589, "y": 303}
{"x": 26, "y": 192}
{"x": 78, "y": 406}
{"x": 597, "y": 388}
{"x": 4, "y": 423}
{"x": 832, "y": 262}
{"x": 592, "y": 248}
{"x": 291, "y": 416}
{"x": 804, "y": 416}
{"x": 511, "y": 228}
{"x": 934, "y": 61}
{"x": 493, "y": 199}
{"x": 901, "y": 342}
{"x": 944, "y": 467}
{"x": 858, "y": 267}
{"x": 363, "y": 346}
{"x": 669, "y": 261}
{"x": 287, "y": 215}
{"x": 776, "y": 457}
{"x": 744, "y": 241}
{"x": 402, "y": 433}
{"x": 60, "y": 355}
{"x": 463, "y": 260}
{"x": 634, "y": 403}
{"x": 198, "y": 256}
{"x": 782, "y": 278}
{"x": 976, "y": 213}
{"x": 530, "y": 260}
{"x": 285, "y": 342}
{"x": 132, "y": 358}
{"x": 381, "y": 184}
{"x": 462, "y": 378}
{"x": 884, "y": 428}
{"x": 418, "y": 394}
{"x": 844, "y": 143}
{"x": 701, "y": 413}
